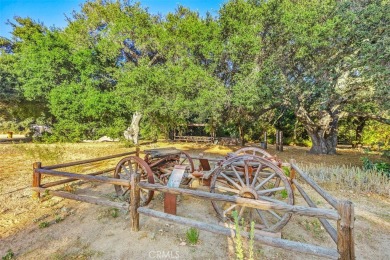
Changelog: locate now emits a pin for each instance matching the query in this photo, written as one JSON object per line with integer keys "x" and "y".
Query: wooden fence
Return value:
{"x": 38, "y": 187}
{"x": 188, "y": 138}
{"x": 342, "y": 212}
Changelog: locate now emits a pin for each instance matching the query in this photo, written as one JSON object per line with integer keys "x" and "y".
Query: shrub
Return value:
{"x": 382, "y": 167}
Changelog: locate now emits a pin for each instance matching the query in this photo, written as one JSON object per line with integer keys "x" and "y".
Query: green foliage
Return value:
{"x": 238, "y": 240}
{"x": 9, "y": 255}
{"x": 381, "y": 167}
{"x": 259, "y": 65}
{"x": 377, "y": 134}
{"x": 114, "y": 213}
{"x": 192, "y": 235}
{"x": 44, "y": 224}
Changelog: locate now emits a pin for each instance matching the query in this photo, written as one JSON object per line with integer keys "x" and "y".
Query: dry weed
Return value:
{"x": 348, "y": 178}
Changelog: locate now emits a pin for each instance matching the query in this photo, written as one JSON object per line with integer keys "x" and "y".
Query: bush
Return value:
{"x": 382, "y": 167}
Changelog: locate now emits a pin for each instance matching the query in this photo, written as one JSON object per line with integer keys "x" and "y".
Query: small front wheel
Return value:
{"x": 125, "y": 169}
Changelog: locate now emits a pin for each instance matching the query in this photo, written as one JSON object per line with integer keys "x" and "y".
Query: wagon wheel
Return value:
{"x": 185, "y": 159}
{"x": 134, "y": 165}
{"x": 182, "y": 159}
{"x": 255, "y": 178}
{"x": 253, "y": 151}
{"x": 257, "y": 152}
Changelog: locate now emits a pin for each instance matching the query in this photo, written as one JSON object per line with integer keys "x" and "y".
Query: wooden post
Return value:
{"x": 265, "y": 140}
{"x": 170, "y": 201}
{"x": 137, "y": 151}
{"x": 134, "y": 202}
{"x": 36, "y": 179}
{"x": 345, "y": 232}
{"x": 292, "y": 177}
{"x": 277, "y": 140}
{"x": 280, "y": 139}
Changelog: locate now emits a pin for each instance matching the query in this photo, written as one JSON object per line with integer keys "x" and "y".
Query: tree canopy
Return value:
{"x": 306, "y": 67}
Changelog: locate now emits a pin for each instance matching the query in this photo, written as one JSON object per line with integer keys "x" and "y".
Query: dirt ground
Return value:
{"x": 57, "y": 228}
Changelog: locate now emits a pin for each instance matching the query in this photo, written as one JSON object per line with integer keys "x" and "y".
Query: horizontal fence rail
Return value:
{"x": 56, "y": 183}
{"x": 85, "y": 177}
{"x": 264, "y": 205}
{"x": 63, "y": 165}
{"x": 270, "y": 241}
{"x": 88, "y": 199}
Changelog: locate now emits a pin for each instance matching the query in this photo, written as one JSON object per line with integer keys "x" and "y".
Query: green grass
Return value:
{"x": 192, "y": 236}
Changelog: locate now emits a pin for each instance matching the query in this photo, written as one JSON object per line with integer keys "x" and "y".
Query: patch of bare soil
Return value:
{"x": 58, "y": 228}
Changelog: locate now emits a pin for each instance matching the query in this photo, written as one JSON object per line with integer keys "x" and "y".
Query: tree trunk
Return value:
{"x": 324, "y": 140}
{"x": 132, "y": 132}
{"x": 241, "y": 132}
{"x": 323, "y": 132}
{"x": 361, "y": 122}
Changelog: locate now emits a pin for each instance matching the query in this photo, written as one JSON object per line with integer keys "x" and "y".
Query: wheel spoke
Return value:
{"x": 126, "y": 170}
{"x": 241, "y": 212}
{"x": 265, "y": 181}
{"x": 246, "y": 172}
{"x": 185, "y": 159}
{"x": 227, "y": 189}
{"x": 262, "y": 192}
{"x": 231, "y": 181}
{"x": 122, "y": 176}
{"x": 229, "y": 209}
{"x": 274, "y": 214}
{"x": 263, "y": 219}
{"x": 238, "y": 175}
{"x": 142, "y": 195}
{"x": 272, "y": 200}
{"x": 256, "y": 174}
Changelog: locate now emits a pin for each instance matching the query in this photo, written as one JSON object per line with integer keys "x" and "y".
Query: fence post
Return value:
{"x": 134, "y": 202}
{"x": 137, "y": 151}
{"x": 277, "y": 140}
{"x": 292, "y": 174}
{"x": 280, "y": 141}
{"x": 36, "y": 179}
{"x": 345, "y": 232}
{"x": 265, "y": 140}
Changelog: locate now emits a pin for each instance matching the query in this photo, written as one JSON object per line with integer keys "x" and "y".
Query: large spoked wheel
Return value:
{"x": 253, "y": 151}
{"x": 257, "y": 152}
{"x": 166, "y": 169}
{"x": 129, "y": 166}
{"x": 185, "y": 159}
{"x": 255, "y": 178}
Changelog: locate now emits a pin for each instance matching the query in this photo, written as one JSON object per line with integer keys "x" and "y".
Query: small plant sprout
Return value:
{"x": 44, "y": 224}
{"x": 238, "y": 238}
{"x": 192, "y": 236}
{"x": 9, "y": 255}
{"x": 114, "y": 213}
{"x": 59, "y": 219}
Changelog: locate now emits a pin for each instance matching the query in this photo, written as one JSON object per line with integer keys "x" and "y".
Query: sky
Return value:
{"x": 52, "y": 12}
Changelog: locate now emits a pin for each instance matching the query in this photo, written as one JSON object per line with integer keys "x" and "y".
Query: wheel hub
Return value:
{"x": 248, "y": 193}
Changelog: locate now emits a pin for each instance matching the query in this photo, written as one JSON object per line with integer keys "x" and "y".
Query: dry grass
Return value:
{"x": 348, "y": 178}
